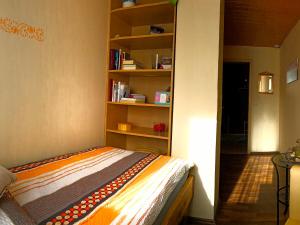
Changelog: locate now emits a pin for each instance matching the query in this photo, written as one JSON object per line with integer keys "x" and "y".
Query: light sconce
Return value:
{"x": 266, "y": 83}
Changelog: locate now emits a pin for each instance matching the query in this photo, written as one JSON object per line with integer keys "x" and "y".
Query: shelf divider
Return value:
{"x": 142, "y": 132}
{"x": 138, "y": 104}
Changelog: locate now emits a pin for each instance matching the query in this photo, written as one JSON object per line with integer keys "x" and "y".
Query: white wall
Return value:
{"x": 52, "y": 92}
{"x": 290, "y": 93}
{"x": 196, "y": 96}
{"x": 263, "y": 122}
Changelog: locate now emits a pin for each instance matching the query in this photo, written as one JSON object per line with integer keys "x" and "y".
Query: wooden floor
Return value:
{"x": 247, "y": 191}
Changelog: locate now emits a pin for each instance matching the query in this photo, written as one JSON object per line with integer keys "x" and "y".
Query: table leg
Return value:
{"x": 277, "y": 196}
{"x": 286, "y": 191}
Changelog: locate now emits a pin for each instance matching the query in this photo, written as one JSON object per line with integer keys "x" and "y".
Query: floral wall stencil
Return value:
{"x": 21, "y": 29}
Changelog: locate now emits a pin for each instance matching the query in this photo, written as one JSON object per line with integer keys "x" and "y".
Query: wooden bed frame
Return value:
{"x": 181, "y": 204}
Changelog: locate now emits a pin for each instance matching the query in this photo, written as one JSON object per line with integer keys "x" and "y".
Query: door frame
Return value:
{"x": 228, "y": 60}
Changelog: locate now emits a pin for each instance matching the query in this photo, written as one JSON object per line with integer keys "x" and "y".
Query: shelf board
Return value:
{"x": 139, "y": 104}
{"x": 142, "y": 132}
{"x": 151, "y": 41}
{"x": 143, "y": 72}
{"x": 146, "y": 14}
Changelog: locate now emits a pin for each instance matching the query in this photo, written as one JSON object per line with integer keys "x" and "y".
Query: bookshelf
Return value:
{"x": 139, "y": 104}
{"x": 142, "y": 72}
{"x": 130, "y": 32}
{"x": 152, "y": 41}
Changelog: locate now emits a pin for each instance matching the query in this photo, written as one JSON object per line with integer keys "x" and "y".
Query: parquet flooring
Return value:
{"x": 247, "y": 191}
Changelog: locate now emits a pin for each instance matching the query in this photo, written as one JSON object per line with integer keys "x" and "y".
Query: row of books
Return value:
{"x": 120, "y": 92}
{"x": 117, "y": 56}
{"x": 120, "y": 60}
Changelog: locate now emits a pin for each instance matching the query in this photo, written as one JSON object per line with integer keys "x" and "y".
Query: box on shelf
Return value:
{"x": 162, "y": 97}
{"x": 163, "y": 63}
{"x": 124, "y": 126}
{"x": 166, "y": 63}
{"x": 159, "y": 127}
{"x": 156, "y": 30}
{"x": 128, "y": 3}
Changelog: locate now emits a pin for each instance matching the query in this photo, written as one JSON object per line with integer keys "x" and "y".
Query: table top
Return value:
{"x": 285, "y": 160}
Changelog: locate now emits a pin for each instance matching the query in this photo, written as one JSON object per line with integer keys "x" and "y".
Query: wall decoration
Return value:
{"x": 265, "y": 85}
{"x": 292, "y": 72}
{"x": 21, "y": 29}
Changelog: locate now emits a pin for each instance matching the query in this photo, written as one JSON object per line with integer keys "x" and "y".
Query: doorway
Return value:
{"x": 235, "y": 106}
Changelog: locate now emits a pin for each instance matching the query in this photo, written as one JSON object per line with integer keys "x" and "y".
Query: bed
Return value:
{"x": 104, "y": 186}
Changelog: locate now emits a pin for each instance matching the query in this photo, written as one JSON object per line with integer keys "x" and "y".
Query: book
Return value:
{"x": 132, "y": 100}
{"x": 138, "y": 97}
{"x": 116, "y": 59}
{"x": 112, "y": 59}
{"x": 119, "y": 90}
{"x": 117, "y": 56}
{"x": 128, "y": 62}
{"x": 119, "y": 59}
{"x": 114, "y": 91}
{"x": 129, "y": 67}
{"x": 125, "y": 56}
{"x": 156, "y": 61}
{"x": 124, "y": 91}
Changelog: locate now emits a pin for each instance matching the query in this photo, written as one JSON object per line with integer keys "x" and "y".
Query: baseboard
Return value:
{"x": 199, "y": 221}
{"x": 263, "y": 153}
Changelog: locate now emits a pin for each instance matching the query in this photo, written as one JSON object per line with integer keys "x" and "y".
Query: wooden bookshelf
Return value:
{"x": 145, "y": 14}
{"x": 143, "y": 72}
{"x": 142, "y": 132}
{"x": 130, "y": 31}
{"x": 139, "y": 104}
{"x": 150, "y": 41}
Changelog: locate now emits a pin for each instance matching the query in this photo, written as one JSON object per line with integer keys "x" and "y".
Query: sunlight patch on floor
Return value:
{"x": 256, "y": 173}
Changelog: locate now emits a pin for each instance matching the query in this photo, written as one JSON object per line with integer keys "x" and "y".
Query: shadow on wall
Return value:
{"x": 202, "y": 151}
{"x": 201, "y": 204}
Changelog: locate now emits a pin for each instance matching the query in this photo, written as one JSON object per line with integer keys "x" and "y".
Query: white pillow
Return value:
{"x": 6, "y": 178}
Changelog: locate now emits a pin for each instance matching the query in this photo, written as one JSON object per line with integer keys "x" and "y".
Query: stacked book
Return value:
{"x": 119, "y": 90}
{"x": 128, "y": 65}
{"x": 134, "y": 98}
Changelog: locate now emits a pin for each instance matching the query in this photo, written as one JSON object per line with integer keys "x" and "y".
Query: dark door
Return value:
{"x": 235, "y": 107}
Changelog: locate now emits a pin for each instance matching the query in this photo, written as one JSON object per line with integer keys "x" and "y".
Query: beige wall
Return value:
{"x": 290, "y": 93}
{"x": 52, "y": 92}
{"x": 263, "y": 109}
{"x": 196, "y": 97}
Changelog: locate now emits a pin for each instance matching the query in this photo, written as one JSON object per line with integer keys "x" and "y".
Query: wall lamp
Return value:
{"x": 266, "y": 83}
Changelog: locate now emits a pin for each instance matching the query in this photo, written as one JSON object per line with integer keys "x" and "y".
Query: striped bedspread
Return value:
{"x": 97, "y": 187}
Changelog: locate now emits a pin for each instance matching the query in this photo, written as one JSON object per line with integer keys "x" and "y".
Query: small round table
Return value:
{"x": 284, "y": 161}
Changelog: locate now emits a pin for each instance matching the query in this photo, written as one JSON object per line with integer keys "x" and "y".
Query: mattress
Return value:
{"x": 98, "y": 186}
{"x": 171, "y": 200}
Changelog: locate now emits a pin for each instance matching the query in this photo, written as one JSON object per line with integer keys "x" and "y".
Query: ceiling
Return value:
{"x": 259, "y": 22}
